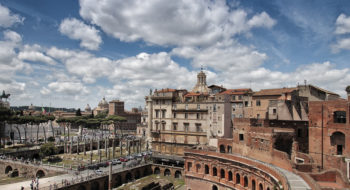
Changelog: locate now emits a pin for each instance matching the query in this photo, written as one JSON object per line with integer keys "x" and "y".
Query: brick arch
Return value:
{"x": 215, "y": 171}
{"x": 128, "y": 177}
{"x": 40, "y": 173}
{"x": 245, "y": 181}
{"x": 222, "y": 173}
{"x": 95, "y": 185}
{"x": 261, "y": 187}
{"x": 253, "y": 184}
{"x": 178, "y": 174}
{"x": 137, "y": 174}
{"x": 8, "y": 169}
{"x": 167, "y": 172}
{"x": 238, "y": 178}
{"x": 117, "y": 181}
{"x": 230, "y": 175}
{"x": 222, "y": 148}
{"x": 156, "y": 170}
{"x": 198, "y": 167}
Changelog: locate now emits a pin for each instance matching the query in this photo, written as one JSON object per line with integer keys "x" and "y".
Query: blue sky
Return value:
{"x": 72, "y": 53}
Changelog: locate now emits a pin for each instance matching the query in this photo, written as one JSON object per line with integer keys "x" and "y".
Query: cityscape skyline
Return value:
{"x": 71, "y": 53}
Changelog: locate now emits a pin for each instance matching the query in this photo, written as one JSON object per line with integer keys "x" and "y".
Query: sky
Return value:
{"x": 66, "y": 53}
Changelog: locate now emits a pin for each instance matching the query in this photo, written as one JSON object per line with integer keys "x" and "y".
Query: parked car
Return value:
{"x": 116, "y": 161}
{"x": 122, "y": 159}
{"x": 98, "y": 172}
{"x": 130, "y": 157}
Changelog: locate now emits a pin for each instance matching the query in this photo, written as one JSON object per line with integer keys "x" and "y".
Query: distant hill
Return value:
{"x": 47, "y": 109}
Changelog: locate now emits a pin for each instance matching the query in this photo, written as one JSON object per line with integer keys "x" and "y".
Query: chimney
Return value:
{"x": 348, "y": 92}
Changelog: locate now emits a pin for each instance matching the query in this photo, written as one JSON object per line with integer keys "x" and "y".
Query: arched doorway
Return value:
{"x": 40, "y": 174}
{"x": 245, "y": 181}
{"x": 128, "y": 177}
{"x": 156, "y": 170}
{"x": 95, "y": 185}
{"x": 166, "y": 172}
{"x": 214, "y": 187}
{"x": 338, "y": 140}
{"x": 8, "y": 169}
{"x": 215, "y": 171}
{"x": 178, "y": 174}
{"x": 253, "y": 184}
{"x": 230, "y": 176}
{"x": 238, "y": 178}
{"x": 118, "y": 181}
{"x": 137, "y": 174}
{"x": 15, "y": 173}
{"x": 222, "y": 173}
{"x": 261, "y": 187}
{"x": 145, "y": 172}
{"x": 222, "y": 149}
{"x": 198, "y": 167}
{"x": 206, "y": 169}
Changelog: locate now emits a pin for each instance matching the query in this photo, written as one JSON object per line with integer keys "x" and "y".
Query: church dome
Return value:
{"x": 88, "y": 108}
{"x": 103, "y": 103}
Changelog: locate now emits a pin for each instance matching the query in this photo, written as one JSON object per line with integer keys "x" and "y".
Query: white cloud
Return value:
{"x": 68, "y": 87}
{"x": 36, "y": 56}
{"x": 168, "y": 22}
{"x": 342, "y": 24}
{"x": 12, "y": 36}
{"x": 7, "y": 19}
{"x": 78, "y": 30}
{"x": 45, "y": 91}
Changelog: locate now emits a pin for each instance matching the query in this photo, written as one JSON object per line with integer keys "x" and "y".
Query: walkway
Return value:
{"x": 295, "y": 182}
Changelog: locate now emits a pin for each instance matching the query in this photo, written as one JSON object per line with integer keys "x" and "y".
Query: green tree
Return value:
{"x": 78, "y": 112}
{"x": 48, "y": 149}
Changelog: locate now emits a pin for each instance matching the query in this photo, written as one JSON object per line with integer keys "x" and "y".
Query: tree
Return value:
{"x": 78, "y": 112}
{"x": 5, "y": 115}
{"x": 47, "y": 149}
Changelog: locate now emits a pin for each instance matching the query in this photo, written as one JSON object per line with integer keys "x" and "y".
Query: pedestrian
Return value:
{"x": 22, "y": 188}
{"x": 31, "y": 185}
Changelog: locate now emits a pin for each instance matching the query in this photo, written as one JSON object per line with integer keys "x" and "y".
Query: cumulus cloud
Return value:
{"x": 7, "y": 19}
{"x": 36, "y": 56}
{"x": 181, "y": 23}
{"x": 78, "y": 30}
{"x": 67, "y": 87}
{"x": 342, "y": 24}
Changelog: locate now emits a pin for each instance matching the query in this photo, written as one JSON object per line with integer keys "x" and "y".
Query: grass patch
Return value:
{"x": 138, "y": 184}
{"x": 9, "y": 180}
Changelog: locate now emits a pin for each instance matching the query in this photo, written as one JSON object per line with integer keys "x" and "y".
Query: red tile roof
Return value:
{"x": 236, "y": 91}
{"x": 276, "y": 91}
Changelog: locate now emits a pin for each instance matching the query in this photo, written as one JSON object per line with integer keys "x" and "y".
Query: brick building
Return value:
{"x": 133, "y": 117}
{"x": 329, "y": 133}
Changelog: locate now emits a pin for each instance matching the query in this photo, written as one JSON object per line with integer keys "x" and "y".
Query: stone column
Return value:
{"x": 78, "y": 146}
{"x": 113, "y": 148}
{"x": 121, "y": 147}
{"x": 65, "y": 145}
{"x": 129, "y": 147}
{"x": 106, "y": 146}
{"x": 133, "y": 145}
{"x": 84, "y": 146}
{"x": 99, "y": 150}
{"x": 91, "y": 150}
{"x": 71, "y": 145}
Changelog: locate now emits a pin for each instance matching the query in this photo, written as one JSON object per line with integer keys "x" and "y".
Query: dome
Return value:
{"x": 31, "y": 107}
{"x": 88, "y": 108}
{"x": 103, "y": 103}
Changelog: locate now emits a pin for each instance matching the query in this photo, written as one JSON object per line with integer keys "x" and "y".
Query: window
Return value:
{"x": 189, "y": 166}
{"x": 240, "y": 97}
{"x": 186, "y": 115}
{"x": 215, "y": 171}
{"x": 186, "y": 126}
{"x": 197, "y": 115}
{"x": 206, "y": 169}
{"x": 241, "y": 137}
{"x": 222, "y": 173}
{"x": 157, "y": 113}
{"x": 214, "y": 107}
{"x": 339, "y": 117}
{"x": 174, "y": 126}
{"x": 198, "y": 127}
{"x": 186, "y": 107}
{"x": 274, "y": 111}
{"x": 233, "y": 97}
{"x": 257, "y": 116}
{"x": 157, "y": 126}
{"x": 240, "y": 116}
{"x": 157, "y": 102}
{"x": 240, "y": 105}
{"x": 258, "y": 103}
{"x": 163, "y": 113}
{"x": 198, "y": 107}
{"x": 230, "y": 176}
{"x": 174, "y": 106}
{"x": 246, "y": 103}
{"x": 233, "y": 116}
{"x": 163, "y": 126}
{"x": 174, "y": 115}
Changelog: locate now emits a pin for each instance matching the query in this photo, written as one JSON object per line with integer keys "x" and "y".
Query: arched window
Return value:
{"x": 215, "y": 172}
{"x": 222, "y": 173}
{"x": 245, "y": 181}
{"x": 253, "y": 184}
{"x": 261, "y": 187}
{"x": 230, "y": 176}
{"x": 206, "y": 169}
{"x": 229, "y": 149}
{"x": 338, "y": 140}
{"x": 214, "y": 187}
{"x": 238, "y": 178}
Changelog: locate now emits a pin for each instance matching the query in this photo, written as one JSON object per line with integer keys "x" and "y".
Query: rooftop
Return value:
{"x": 276, "y": 91}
